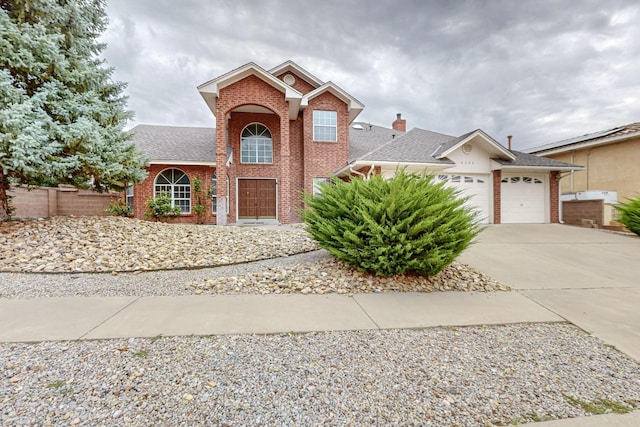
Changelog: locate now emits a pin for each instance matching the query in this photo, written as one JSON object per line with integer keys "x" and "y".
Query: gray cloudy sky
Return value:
{"x": 539, "y": 70}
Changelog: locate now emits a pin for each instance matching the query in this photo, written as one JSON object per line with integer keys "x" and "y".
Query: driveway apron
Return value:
{"x": 589, "y": 277}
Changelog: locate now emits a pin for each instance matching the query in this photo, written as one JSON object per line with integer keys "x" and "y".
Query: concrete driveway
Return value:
{"x": 589, "y": 277}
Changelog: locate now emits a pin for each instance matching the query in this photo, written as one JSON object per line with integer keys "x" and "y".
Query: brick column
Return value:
{"x": 284, "y": 183}
{"x": 554, "y": 197}
{"x": 222, "y": 207}
{"x": 497, "y": 197}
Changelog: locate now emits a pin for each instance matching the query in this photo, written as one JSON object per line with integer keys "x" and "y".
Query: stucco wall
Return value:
{"x": 43, "y": 202}
{"x": 609, "y": 167}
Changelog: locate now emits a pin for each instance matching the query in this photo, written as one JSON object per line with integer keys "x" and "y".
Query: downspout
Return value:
{"x": 355, "y": 172}
{"x": 588, "y": 156}
{"x": 371, "y": 170}
{"x": 560, "y": 176}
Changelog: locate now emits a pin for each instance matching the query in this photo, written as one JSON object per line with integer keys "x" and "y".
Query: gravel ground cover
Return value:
{"x": 89, "y": 244}
{"x": 83, "y": 245}
{"x": 474, "y": 376}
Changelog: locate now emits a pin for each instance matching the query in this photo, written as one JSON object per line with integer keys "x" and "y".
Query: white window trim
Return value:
{"x": 256, "y": 139}
{"x": 316, "y": 185}
{"x": 335, "y": 127}
{"x": 169, "y": 188}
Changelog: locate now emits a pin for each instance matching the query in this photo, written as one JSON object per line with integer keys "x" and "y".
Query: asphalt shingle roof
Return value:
{"x": 173, "y": 143}
{"x": 631, "y": 128}
{"x": 365, "y": 137}
{"x": 526, "y": 159}
{"x": 416, "y": 146}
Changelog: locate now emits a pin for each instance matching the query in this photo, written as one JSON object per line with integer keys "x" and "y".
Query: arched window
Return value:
{"x": 256, "y": 145}
{"x": 175, "y": 184}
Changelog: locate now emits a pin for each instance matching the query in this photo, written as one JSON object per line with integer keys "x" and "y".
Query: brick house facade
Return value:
{"x": 280, "y": 131}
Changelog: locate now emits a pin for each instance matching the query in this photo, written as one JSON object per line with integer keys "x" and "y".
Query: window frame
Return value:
{"x": 316, "y": 185}
{"x": 214, "y": 196}
{"x": 256, "y": 138}
{"x": 173, "y": 188}
{"x": 318, "y": 124}
{"x": 129, "y": 196}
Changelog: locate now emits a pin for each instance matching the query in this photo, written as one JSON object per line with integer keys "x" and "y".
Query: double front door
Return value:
{"x": 256, "y": 199}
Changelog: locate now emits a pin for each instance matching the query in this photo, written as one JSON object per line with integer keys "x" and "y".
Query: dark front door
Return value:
{"x": 256, "y": 199}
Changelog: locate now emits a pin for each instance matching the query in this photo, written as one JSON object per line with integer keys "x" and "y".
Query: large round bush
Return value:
{"x": 409, "y": 223}
{"x": 630, "y": 214}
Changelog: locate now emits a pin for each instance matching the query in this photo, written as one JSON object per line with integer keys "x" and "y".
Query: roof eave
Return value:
{"x": 479, "y": 132}
{"x": 367, "y": 163}
{"x": 181, "y": 162}
{"x": 296, "y": 69}
{"x": 211, "y": 90}
{"x": 542, "y": 168}
{"x": 354, "y": 107}
{"x": 586, "y": 144}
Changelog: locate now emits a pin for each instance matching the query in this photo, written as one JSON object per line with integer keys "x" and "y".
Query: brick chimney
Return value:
{"x": 399, "y": 123}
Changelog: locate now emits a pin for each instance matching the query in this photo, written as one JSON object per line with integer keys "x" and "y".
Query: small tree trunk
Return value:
{"x": 5, "y": 200}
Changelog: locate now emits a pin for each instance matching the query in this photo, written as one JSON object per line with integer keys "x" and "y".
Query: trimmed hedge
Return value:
{"x": 407, "y": 224}
{"x": 630, "y": 214}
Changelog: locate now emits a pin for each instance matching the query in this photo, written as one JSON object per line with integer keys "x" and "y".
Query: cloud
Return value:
{"x": 538, "y": 70}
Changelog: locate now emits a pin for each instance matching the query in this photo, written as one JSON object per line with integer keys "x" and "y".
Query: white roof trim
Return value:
{"x": 298, "y": 70}
{"x": 182, "y": 163}
{"x": 581, "y": 145}
{"x": 211, "y": 90}
{"x": 361, "y": 164}
{"x": 539, "y": 168}
{"x": 354, "y": 106}
{"x": 496, "y": 145}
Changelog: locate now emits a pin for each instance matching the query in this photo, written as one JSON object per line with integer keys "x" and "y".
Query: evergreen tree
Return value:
{"x": 61, "y": 114}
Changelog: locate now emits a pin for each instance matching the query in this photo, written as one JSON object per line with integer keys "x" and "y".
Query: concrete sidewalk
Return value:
{"x": 42, "y": 319}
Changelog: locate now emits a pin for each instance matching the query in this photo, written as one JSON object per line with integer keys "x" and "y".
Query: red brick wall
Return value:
{"x": 144, "y": 191}
{"x": 497, "y": 196}
{"x": 554, "y": 197}
{"x": 253, "y": 91}
{"x": 297, "y": 159}
{"x": 300, "y": 85}
{"x": 321, "y": 159}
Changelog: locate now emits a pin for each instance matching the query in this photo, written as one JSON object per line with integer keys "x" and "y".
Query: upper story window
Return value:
{"x": 325, "y": 125}
{"x": 256, "y": 145}
{"x": 176, "y": 185}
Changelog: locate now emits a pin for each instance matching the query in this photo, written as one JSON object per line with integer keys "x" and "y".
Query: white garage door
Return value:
{"x": 474, "y": 186}
{"x": 523, "y": 199}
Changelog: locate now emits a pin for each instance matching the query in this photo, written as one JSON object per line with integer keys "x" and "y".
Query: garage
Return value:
{"x": 477, "y": 188}
{"x": 523, "y": 199}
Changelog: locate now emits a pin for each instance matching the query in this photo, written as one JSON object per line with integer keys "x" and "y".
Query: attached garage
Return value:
{"x": 524, "y": 198}
{"x": 477, "y": 188}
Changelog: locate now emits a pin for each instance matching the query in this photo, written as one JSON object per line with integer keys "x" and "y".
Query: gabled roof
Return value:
{"x": 493, "y": 147}
{"x": 354, "y": 106}
{"x": 427, "y": 148}
{"x": 294, "y": 68}
{"x": 609, "y": 136}
{"x": 176, "y": 145}
{"x": 211, "y": 89}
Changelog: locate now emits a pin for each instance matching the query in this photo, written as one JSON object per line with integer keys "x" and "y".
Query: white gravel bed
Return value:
{"x": 473, "y": 376}
{"x": 94, "y": 244}
{"x": 314, "y": 272}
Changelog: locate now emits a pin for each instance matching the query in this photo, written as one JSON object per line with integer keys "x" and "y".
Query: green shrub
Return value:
{"x": 120, "y": 208}
{"x": 409, "y": 223}
{"x": 159, "y": 208}
{"x": 630, "y": 214}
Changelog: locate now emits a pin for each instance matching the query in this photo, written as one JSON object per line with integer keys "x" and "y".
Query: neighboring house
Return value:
{"x": 281, "y": 132}
{"x": 611, "y": 158}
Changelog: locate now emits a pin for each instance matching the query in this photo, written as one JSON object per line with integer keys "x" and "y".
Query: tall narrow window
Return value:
{"x": 129, "y": 196}
{"x": 256, "y": 145}
{"x": 325, "y": 125}
{"x": 214, "y": 197}
{"x": 175, "y": 184}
